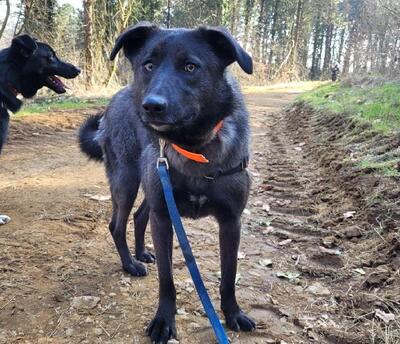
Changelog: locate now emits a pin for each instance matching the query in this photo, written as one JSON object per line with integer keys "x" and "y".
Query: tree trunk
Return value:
{"x": 289, "y": 67}
{"x": 247, "y": 18}
{"x": 7, "y": 16}
{"x": 260, "y": 31}
{"x": 273, "y": 32}
{"x": 168, "y": 14}
{"x": 89, "y": 43}
{"x": 299, "y": 19}
{"x": 233, "y": 10}
{"x": 349, "y": 50}
{"x": 341, "y": 45}
{"x": 317, "y": 49}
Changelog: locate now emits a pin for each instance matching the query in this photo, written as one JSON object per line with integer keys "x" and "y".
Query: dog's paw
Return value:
{"x": 161, "y": 329}
{"x": 146, "y": 257}
{"x": 239, "y": 321}
{"x": 4, "y": 219}
{"x": 135, "y": 268}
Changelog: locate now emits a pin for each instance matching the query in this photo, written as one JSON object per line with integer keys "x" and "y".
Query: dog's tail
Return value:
{"x": 4, "y": 119}
{"x": 87, "y": 138}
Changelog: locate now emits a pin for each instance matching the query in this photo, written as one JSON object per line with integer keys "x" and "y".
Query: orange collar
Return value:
{"x": 200, "y": 158}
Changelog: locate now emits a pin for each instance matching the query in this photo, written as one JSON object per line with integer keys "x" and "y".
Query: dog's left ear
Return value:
{"x": 226, "y": 47}
{"x": 24, "y": 45}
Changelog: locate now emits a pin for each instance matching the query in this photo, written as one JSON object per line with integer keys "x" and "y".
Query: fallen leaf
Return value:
{"x": 285, "y": 242}
{"x": 100, "y": 198}
{"x": 330, "y": 251}
{"x": 241, "y": 255}
{"x": 266, "y": 207}
{"x": 288, "y": 275}
{"x": 238, "y": 278}
{"x": 360, "y": 271}
{"x": 265, "y": 262}
{"x": 318, "y": 289}
{"x": 349, "y": 214}
{"x": 181, "y": 311}
{"x": 385, "y": 317}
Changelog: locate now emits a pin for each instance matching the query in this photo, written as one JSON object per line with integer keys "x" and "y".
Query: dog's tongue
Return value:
{"x": 56, "y": 84}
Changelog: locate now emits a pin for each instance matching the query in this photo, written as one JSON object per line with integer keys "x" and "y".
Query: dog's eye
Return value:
{"x": 51, "y": 58}
{"x": 148, "y": 66}
{"x": 190, "y": 67}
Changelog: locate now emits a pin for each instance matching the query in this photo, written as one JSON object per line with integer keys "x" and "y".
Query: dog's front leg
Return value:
{"x": 229, "y": 239}
{"x": 4, "y": 120}
{"x": 162, "y": 327}
{"x": 141, "y": 218}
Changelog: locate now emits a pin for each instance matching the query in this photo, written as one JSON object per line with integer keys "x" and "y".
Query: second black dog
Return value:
{"x": 25, "y": 67}
{"x": 183, "y": 94}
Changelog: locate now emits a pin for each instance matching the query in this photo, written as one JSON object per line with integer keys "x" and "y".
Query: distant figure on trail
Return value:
{"x": 335, "y": 72}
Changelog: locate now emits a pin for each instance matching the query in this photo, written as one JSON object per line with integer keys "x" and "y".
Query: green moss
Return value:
{"x": 377, "y": 105}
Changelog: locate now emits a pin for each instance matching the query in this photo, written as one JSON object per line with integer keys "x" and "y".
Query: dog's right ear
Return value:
{"x": 24, "y": 45}
{"x": 226, "y": 47}
{"x": 133, "y": 39}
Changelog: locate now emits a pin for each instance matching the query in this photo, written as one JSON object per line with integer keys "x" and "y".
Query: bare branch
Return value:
{"x": 4, "y": 25}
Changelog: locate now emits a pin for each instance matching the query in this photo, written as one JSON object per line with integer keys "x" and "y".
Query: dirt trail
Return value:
{"x": 58, "y": 246}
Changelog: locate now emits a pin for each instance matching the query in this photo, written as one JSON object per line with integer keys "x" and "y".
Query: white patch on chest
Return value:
{"x": 198, "y": 200}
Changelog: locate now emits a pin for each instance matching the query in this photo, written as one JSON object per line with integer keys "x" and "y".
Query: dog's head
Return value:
{"x": 37, "y": 66}
{"x": 179, "y": 74}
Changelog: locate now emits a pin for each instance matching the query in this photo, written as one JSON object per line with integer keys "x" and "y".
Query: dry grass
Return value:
{"x": 289, "y": 87}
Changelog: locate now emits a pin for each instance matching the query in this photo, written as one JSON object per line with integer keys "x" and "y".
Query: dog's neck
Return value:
{"x": 13, "y": 89}
{"x": 8, "y": 97}
{"x": 224, "y": 151}
{"x": 200, "y": 158}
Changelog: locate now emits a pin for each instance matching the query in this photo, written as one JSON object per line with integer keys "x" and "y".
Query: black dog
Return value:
{"x": 25, "y": 67}
{"x": 183, "y": 94}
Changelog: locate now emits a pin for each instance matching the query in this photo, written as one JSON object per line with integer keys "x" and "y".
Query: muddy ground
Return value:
{"x": 315, "y": 267}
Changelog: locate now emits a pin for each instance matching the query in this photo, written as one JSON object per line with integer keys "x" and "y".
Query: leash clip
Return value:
{"x": 162, "y": 159}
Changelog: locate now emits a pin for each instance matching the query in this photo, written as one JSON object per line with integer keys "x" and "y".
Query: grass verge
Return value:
{"x": 376, "y": 105}
{"x": 376, "y": 108}
{"x": 61, "y": 103}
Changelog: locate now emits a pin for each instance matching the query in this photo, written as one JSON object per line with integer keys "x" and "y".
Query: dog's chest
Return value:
{"x": 194, "y": 205}
{"x": 198, "y": 201}
{"x": 193, "y": 202}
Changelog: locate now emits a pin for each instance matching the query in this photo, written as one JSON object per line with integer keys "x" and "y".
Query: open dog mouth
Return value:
{"x": 55, "y": 84}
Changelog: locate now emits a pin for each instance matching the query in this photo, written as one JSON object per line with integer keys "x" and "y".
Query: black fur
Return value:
{"x": 25, "y": 67}
{"x": 87, "y": 138}
{"x": 181, "y": 91}
{"x": 4, "y": 119}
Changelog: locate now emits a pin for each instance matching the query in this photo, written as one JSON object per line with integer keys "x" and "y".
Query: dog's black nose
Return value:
{"x": 154, "y": 105}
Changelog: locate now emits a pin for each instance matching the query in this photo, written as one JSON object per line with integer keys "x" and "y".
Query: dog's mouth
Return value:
{"x": 164, "y": 126}
{"x": 55, "y": 84}
{"x": 161, "y": 126}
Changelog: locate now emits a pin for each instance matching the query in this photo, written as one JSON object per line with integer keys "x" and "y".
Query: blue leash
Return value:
{"x": 162, "y": 167}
